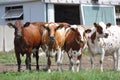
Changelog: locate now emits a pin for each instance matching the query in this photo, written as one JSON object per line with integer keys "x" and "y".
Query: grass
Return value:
{"x": 85, "y": 74}
{"x": 41, "y": 75}
{"x": 9, "y": 58}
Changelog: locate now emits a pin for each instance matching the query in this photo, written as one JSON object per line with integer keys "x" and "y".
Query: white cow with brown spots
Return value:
{"x": 104, "y": 40}
{"x": 75, "y": 43}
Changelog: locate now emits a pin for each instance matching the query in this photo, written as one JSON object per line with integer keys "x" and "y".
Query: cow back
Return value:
{"x": 31, "y": 35}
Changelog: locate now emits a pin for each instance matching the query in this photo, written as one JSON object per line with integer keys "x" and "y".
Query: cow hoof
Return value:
{"x": 49, "y": 71}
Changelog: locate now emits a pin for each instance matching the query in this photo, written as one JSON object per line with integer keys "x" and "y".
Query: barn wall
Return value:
{"x": 1, "y": 38}
{"x": 9, "y": 38}
{"x": 2, "y": 11}
{"x": 33, "y": 11}
{"x": 6, "y": 38}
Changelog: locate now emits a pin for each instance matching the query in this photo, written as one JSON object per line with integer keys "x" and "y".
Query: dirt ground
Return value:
{"x": 108, "y": 64}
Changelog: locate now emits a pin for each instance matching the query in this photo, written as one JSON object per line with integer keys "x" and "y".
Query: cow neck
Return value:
{"x": 52, "y": 45}
{"x": 93, "y": 37}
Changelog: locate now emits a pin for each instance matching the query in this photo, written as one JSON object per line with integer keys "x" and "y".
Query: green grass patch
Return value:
{"x": 9, "y": 58}
{"x": 67, "y": 75}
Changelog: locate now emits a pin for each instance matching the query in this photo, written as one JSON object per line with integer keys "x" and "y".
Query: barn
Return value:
{"x": 72, "y": 11}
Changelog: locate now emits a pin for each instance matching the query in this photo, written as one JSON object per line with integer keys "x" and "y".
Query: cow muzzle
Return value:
{"x": 79, "y": 41}
{"x": 52, "y": 38}
{"x": 106, "y": 35}
{"x": 18, "y": 35}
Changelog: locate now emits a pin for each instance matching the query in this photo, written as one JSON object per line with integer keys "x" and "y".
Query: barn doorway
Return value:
{"x": 67, "y": 13}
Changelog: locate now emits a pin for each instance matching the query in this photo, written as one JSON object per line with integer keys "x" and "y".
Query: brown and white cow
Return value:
{"x": 75, "y": 43}
{"x": 53, "y": 39}
{"x": 104, "y": 40}
{"x": 27, "y": 38}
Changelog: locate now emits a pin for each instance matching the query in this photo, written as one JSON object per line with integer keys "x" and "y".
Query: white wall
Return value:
{"x": 6, "y": 34}
{"x": 1, "y": 38}
{"x": 9, "y": 38}
{"x": 51, "y": 13}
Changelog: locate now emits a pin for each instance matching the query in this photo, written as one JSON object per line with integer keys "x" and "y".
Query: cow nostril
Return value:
{"x": 81, "y": 41}
{"x": 106, "y": 35}
{"x": 52, "y": 38}
{"x": 19, "y": 35}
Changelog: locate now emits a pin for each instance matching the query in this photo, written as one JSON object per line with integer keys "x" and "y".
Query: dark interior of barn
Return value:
{"x": 67, "y": 13}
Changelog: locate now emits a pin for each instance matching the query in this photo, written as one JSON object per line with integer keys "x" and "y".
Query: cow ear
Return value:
{"x": 59, "y": 26}
{"x": 73, "y": 29}
{"x": 26, "y": 24}
{"x": 95, "y": 25}
{"x": 63, "y": 24}
{"x": 44, "y": 26}
{"x": 88, "y": 31}
{"x": 11, "y": 25}
{"x": 108, "y": 25}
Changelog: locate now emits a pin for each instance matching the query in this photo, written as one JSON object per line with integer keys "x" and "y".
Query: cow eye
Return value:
{"x": 48, "y": 29}
{"x": 56, "y": 28}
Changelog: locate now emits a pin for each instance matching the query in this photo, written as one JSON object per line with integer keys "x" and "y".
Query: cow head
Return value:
{"x": 18, "y": 28}
{"x": 101, "y": 30}
{"x": 80, "y": 34}
{"x": 98, "y": 31}
{"x": 51, "y": 29}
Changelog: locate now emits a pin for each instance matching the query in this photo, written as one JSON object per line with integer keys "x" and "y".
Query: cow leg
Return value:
{"x": 71, "y": 60}
{"x": 18, "y": 60}
{"x": 101, "y": 60}
{"x": 37, "y": 60}
{"x": 49, "y": 64}
{"x": 59, "y": 59}
{"x": 92, "y": 61}
{"x": 72, "y": 66}
{"x": 28, "y": 61}
{"x": 118, "y": 60}
{"x": 78, "y": 63}
{"x": 114, "y": 61}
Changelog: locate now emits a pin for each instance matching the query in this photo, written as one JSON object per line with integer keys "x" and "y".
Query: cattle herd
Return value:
{"x": 60, "y": 38}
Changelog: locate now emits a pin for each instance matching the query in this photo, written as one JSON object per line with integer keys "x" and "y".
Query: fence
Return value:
{"x": 6, "y": 38}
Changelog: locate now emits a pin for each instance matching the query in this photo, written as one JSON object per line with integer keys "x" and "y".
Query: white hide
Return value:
{"x": 106, "y": 46}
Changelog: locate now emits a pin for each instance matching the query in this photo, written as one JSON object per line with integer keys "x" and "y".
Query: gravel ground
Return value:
{"x": 108, "y": 64}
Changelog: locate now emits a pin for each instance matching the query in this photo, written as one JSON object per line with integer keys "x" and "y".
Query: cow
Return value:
{"x": 103, "y": 39}
{"x": 27, "y": 40}
{"x": 53, "y": 39}
{"x": 75, "y": 44}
